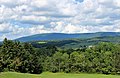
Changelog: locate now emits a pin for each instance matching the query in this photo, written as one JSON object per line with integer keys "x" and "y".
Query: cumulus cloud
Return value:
{"x": 27, "y": 17}
{"x": 6, "y": 28}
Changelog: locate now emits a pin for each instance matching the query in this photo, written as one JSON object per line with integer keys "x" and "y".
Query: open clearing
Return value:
{"x": 54, "y": 75}
{"x": 42, "y": 42}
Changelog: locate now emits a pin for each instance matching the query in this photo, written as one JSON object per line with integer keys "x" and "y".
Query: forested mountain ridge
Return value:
{"x": 75, "y": 43}
{"x": 61, "y": 36}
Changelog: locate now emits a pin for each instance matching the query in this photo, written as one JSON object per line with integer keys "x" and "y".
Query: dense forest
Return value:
{"x": 75, "y": 43}
{"x": 23, "y": 57}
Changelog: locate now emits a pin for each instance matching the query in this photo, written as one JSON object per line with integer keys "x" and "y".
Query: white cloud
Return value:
{"x": 39, "y": 3}
{"x": 2, "y": 37}
{"x": 41, "y": 18}
{"x": 26, "y": 17}
{"x": 5, "y": 28}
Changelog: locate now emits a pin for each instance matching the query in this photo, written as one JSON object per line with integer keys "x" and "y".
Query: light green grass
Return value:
{"x": 42, "y": 42}
{"x": 54, "y": 75}
{"x": 17, "y": 75}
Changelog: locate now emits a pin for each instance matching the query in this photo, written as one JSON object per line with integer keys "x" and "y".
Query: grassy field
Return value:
{"x": 42, "y": 42}
{"x": 54, "y": 75}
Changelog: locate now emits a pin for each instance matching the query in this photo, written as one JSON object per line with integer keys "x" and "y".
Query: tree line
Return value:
{"x": 23, "y": 57}
{"x": 15, "y": 56}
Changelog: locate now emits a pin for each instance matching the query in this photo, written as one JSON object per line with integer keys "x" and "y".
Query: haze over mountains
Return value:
{"x": 62, "y": 36}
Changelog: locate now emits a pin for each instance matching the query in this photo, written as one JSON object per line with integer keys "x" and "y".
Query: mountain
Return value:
{"x": 62, "y": 36}
{"x": 76, "y": 43}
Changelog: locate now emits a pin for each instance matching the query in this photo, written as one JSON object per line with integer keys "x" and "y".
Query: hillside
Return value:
{"x": 76, "y": 43}
{"x": 61, "y": 36}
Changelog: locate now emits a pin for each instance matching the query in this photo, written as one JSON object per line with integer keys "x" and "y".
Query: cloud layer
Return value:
{"x": 27, "y": 17}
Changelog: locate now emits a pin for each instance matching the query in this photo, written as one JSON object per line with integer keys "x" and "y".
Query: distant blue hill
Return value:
{"x": 61, "y": 36}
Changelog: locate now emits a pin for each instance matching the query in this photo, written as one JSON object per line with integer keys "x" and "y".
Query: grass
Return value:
{"x": 54, "y": 75}
{"x": 17, "y": 75}
{"x": 42, "y": 42}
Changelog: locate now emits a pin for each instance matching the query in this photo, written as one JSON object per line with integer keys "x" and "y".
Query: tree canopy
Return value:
{"x": 23, "y": 57}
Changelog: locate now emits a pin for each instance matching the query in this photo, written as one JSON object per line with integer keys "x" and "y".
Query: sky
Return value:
{"x": 20, "y": 18}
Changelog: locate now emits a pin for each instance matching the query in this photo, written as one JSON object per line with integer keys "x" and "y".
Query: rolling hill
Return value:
{"x": 62, "y": 36}
{"x": 75, "y": 43}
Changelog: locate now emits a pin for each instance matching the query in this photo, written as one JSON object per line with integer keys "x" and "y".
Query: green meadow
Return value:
{"x": 42, "y": 42}
{"x": 54, "y": 75}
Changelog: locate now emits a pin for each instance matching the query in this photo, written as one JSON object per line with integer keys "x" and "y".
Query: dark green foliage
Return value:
{"x": 15, "y": 56}
{"x": 76, "y": 43}
{"x": 103, "y": 57}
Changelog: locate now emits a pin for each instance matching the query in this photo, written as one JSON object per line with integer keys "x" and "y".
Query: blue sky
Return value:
{"x": 27, "y": 17}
